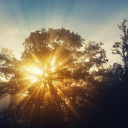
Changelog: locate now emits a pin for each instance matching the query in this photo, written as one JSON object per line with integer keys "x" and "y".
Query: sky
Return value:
{"x": 94, "y": 20}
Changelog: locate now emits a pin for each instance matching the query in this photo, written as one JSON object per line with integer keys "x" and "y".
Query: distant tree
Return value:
{"x": 112, "y": 75}
{"x": 121, "y": 48}
{"x": 51, "y": 75}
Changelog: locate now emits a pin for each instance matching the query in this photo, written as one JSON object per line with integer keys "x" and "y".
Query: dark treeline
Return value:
{"x": 55, "y": 84}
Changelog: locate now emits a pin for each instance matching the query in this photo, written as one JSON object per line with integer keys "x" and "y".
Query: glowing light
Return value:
{"x": 47, "y": 77}
{"x": 33, "y": 78}
{"x": 53, "y": 61}
{"x": 27, "y": 69}
{"x": 52, "y": 69}
{"x": 46, "y": 74}
{"x": 87, "y": 60}
{"x": 36, "y": 70}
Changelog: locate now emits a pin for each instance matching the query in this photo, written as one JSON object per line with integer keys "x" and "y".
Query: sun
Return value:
{"x": 33, "y": 73}
{"x": 36, "y": 70}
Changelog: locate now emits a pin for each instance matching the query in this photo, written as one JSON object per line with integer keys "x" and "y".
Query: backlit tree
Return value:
{"x": 51, "y": 76}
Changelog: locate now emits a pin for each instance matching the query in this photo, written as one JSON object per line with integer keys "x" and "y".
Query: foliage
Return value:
{"x": 50, "y": 80}
{"x": 113, "y": 75}
{"x": 121, "y": 48}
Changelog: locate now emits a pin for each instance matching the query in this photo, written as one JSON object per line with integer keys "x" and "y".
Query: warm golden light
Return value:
{"x": 50, "y": 80}
{"x": 33, "y": 70}
{"x": 33, "y": 78}
{"x": 36, "y": 70}
{"x": 32, "y": 73}
{"x": 52, "y": 69}
{"x": 46, "y": 74}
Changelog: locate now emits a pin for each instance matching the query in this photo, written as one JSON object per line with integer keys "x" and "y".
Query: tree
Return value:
{"x": 121, "y": 48}
{"x": 50, "y": 77}
{"x": 112, "y": 75}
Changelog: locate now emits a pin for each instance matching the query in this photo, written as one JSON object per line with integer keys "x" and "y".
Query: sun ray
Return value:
{"x": 48, "y": 80}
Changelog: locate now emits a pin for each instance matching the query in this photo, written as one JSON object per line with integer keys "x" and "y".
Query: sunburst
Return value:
{"x": 48, "y": 78}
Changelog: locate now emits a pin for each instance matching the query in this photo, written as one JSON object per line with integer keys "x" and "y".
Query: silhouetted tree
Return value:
{"x": 50, "y": 77}
{"x": 112, "y": 75}
{"x": 121, "y": 48}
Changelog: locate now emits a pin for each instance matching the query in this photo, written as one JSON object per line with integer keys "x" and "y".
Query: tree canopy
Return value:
{"x": 51, "y": 75}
